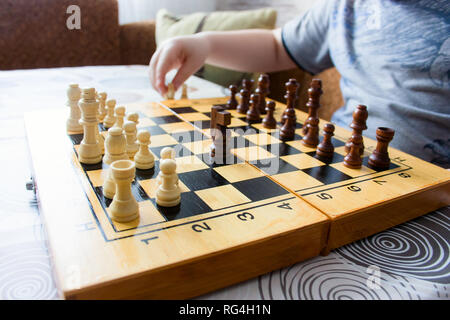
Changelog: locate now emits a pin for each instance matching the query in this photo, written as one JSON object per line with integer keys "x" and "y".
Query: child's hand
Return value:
{"x": 186, "y": 53}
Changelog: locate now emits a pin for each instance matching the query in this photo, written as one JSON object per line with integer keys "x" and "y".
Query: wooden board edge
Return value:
{"x": 54, "y": 274}
{"x": 387, "y": 215}
{"x": 225, "y": 268}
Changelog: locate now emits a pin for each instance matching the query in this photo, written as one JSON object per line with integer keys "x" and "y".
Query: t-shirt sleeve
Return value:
{"x": 306, "y": 38}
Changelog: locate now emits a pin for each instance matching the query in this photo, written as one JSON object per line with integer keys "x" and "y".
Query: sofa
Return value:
{"x": 34, "y": 34}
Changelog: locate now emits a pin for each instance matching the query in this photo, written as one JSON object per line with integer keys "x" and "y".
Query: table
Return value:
{"x": 410, "y": 261}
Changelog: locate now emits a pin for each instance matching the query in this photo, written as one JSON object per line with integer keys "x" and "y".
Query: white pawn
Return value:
{"x": 110, "y": 119}
{"x": 124, "y": 207}
{"x": 89, "y": 151}
{"x": 168, "y": 193}
{"x": 115, "y": 146}
{"x": 130, "y": 132}
{"x": 102, "y": 107}
{"x": 73, "y": 96}
{"x": 144, "y": 159}
{"x": 166, "y": 153}
{"x": 119, "y": 114}
{"x": 133, "y": 117}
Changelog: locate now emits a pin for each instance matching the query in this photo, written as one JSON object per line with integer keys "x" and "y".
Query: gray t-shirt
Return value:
{"x": 394, "y": 57}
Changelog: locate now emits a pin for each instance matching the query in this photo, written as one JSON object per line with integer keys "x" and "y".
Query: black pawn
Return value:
{"x": 269, "y": 121}
{"x": 353, "y": 159}
{"x": 287, "y": 131}
{"x": 232, "y": 103}
{"x": 245, "y": 101}
{"x": 311, "y": 139}
{"x": 380, "y": 156}
{"x": 253, "y": 115}
{"x": 326, "y": 149}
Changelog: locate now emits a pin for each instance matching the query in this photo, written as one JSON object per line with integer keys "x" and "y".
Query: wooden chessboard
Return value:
{"x": 235, "y": 221}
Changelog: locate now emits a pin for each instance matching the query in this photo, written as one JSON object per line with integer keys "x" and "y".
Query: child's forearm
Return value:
{"x": 250, "y": 50}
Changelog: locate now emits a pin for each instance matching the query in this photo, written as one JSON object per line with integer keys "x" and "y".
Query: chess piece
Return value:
{"x": 124, "y": 207}
{"x": 263, "y": 90}
{"x": 313, "y": 104}
{"x": 184, "y": 91}
{"x": 102, "y": 106}
{"x": 269, "y": 121}
{"x": 168, "y": 193}
{"x": 247, "y": 84}
{"x": 119, "y": 113}
{"x": 311, "y": 139}
{"x": 380, "y": 156}
{"x": 253, "y": 115}
{"x": 115, "y": 146}
{"x": 144, "y": 159}
{"x": 170, "y": 95}
{"x": 232, "y": 102}
{"x": 245, "y": 101}
{"x": 291, "y": 96}
{"x": 110, "y": 119}
{"x": 109, "y": 186}
{"x": 130, "y": 132}
{"x": 166, "y": 153}
{"x": 287, "y": 131}
{"x": 133, "y": 117}
{"x": 358, "y": 125}
{"x": 353, "y": 158}
{"x": 89, "y": 151}
{"x": 326, "y": 149}
{"x": 73, "y": 122}
{"x": 221, "y": 146}
{"x": 99, "y": 137}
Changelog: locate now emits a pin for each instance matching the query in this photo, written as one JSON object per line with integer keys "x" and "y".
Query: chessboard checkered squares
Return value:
{"x": 177, "y": 127}
{"x": 222, "y": 196}
{"x": 155, "y": 110}
{"x": 97, "y": 177}
{"x": 262, "y": 139}
{"x": 190, "y": 163}
{"x": 238, "y": 172}
{"x": 352, "y": 172}
{"x": 202, "y": 108}
{"x": 297, "y": 144}
{"x": 195, "y": 116}
{"x": 297, "y": 180}
{"x": 273, "y": 166}
{"x": 252, "y": 153}
{"x": 199, "y": 147}
{"x": 302, "y": 161}
{"x": 162, "y": 140}
{"x": 145, "y": 122}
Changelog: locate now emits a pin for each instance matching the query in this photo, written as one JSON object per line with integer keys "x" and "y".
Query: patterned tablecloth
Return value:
{"x": 410, "y": 261}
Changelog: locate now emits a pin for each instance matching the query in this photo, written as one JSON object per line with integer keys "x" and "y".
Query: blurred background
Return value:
{"x": 139, "y": 10}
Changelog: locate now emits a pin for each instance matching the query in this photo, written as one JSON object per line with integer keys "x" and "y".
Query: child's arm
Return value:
{"x": 245, "y": 50}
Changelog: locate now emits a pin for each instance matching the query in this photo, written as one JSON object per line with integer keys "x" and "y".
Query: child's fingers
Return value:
{"x": 185, "y": 71}
{"x": 152, "y": 68}
{"x": 163, "y": 66}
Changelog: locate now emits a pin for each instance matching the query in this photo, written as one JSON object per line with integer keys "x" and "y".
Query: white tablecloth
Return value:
{"x": 410, "y": 261}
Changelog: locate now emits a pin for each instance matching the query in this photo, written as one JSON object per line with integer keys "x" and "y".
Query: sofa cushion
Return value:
{"x": 34, "y": 34}
{"x": 169, "y": 25}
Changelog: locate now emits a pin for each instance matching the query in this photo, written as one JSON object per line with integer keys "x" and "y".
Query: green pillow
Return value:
{"x": 169, "y": 25}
